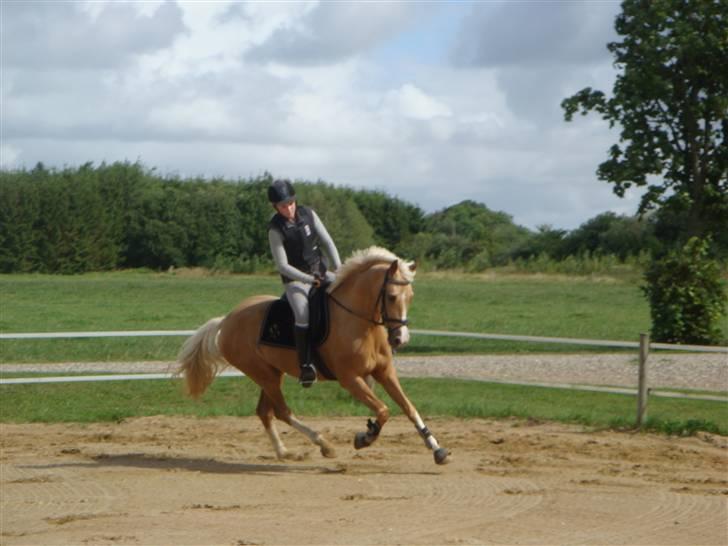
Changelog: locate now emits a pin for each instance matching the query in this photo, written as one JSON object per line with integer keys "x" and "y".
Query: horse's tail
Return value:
{"x": 200, "y": 359}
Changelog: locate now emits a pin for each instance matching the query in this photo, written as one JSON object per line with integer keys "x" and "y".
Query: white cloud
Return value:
{"x": 532, "y": 34}
{"x": 198, "y": 115}
{"x": 64, "y": 35}
{"x": 8, "y": 156}
{"x": 541, "y": 52}
{"x": 412, "y": 102}
{"x": 328, "y": 32}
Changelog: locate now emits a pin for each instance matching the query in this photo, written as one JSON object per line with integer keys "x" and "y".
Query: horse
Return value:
{"x": 368, "y": 305}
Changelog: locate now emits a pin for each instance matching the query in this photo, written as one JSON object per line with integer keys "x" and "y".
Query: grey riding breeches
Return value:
{"x": 297, "y": 293}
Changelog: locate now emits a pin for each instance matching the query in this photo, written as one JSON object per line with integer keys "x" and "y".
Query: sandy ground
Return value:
{"x": 178, "y": 481}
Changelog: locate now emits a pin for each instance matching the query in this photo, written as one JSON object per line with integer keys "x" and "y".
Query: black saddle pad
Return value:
{"x": 278, "y": 325}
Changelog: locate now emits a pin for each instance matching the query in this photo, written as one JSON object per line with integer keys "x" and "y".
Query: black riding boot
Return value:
{"x": 303, "y": 347}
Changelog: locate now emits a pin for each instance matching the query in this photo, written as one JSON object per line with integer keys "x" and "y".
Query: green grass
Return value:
{"x": 135, "y": 300}
{"x": 114, "y": 401}
{"x": 138, "y": 300}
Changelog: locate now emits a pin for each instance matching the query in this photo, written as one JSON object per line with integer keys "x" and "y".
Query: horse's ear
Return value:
{"x": 413, "y": 267}
{"x": 394, "y": 267}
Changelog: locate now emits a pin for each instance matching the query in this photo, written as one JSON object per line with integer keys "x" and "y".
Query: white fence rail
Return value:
{"x": 500, "y": 337}
{"x": 643, "y": 346}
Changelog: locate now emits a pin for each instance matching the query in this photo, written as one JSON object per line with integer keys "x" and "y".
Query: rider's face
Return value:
{"x": 287, "y": 210}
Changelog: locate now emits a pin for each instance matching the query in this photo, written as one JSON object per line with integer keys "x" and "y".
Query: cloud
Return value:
{"x": 8, "y": 156}
{"x": 38, "y": 35}
{"x": 541, "y": 52}
{"x": 412, "y": 102}
{"x": 534, "y": 33}
{"x": 330, "y": 32}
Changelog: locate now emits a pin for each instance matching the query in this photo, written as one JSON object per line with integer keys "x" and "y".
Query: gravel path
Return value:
{"x": 683, "y": 371}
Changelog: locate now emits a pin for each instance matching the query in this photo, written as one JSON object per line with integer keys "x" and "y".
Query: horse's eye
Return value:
{"x": 392, "y": 298}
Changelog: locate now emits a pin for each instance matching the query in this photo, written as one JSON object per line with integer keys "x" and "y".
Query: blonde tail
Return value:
{"x": 200, "y": 359}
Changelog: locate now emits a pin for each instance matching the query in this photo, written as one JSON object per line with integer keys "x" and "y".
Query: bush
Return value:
{"x": 686, "y": 295}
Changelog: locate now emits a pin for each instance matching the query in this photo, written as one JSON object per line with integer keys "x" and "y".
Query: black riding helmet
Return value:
{"x": 281, "y": 192}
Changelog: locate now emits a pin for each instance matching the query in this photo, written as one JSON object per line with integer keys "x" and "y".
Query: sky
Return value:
{"x": 431, "y": 102}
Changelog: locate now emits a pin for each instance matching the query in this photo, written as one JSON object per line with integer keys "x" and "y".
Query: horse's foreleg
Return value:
{"x": 390, "y": 382}
{"x": 359, "y": 389}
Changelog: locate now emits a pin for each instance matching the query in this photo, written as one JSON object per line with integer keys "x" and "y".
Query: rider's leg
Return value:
{"x": 297, "y": 293}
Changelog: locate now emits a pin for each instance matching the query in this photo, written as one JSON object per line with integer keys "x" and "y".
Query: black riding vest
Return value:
{"x": 300, "y": 242}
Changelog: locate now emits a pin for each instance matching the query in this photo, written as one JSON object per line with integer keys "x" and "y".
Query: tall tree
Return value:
{"x": 670, "y": 98}
{"x": 671, "y": 101}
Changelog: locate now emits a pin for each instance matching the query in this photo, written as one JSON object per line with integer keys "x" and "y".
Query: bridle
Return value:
{"x": 385, "y": 319}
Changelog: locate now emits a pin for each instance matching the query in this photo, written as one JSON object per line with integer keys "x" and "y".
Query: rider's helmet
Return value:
{"x": 281, "y": 192}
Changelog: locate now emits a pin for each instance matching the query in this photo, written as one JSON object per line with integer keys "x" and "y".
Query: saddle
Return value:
{"x": 277, "y": 327}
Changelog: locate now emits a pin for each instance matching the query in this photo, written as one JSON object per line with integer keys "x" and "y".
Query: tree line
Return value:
{"x": 123, "y": 215}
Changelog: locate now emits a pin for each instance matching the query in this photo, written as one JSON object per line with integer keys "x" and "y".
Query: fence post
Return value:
{"x": 642, "y": 391}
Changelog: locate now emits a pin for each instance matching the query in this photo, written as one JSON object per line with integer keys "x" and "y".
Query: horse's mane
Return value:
{"x": 363, "y": 259}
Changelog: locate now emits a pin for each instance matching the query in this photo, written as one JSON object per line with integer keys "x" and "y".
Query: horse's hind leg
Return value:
{"x": 265, "y": 413}
{"x": 274, "y": 402}
{"x": 389, "y": 380}
{"x": 327, "y": 450}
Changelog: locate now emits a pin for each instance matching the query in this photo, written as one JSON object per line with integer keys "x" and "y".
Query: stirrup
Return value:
{"x": 308, "y": 375}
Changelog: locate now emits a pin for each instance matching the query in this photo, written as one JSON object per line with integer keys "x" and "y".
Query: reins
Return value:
{"x": 381, "y": 303}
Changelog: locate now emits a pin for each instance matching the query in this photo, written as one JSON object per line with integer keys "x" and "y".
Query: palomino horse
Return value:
{"x": 370, "y": 296}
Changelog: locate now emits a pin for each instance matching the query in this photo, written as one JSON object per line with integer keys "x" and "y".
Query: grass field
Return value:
{"x": 527, "y": 305}
{"x": 135, "y": 300}
{"x": 90, "y": 402}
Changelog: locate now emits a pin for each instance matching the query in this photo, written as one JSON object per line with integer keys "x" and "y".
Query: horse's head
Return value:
{"x": 396, "y": 296}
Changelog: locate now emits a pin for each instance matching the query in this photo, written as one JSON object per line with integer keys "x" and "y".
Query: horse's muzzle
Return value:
{"x": 399, "y": 337}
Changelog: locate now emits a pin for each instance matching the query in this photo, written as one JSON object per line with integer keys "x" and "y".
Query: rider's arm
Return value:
{"x": 327, "y": 243}
{"x": 281, "y": 260}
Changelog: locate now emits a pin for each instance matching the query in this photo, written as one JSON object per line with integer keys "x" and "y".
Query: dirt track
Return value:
{"x": 175, "y": 481}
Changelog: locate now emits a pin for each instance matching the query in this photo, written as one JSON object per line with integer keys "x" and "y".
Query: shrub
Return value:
{"x": 686, "y": 295}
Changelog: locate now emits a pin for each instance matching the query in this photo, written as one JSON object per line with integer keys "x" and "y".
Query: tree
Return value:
{"x": 468, "y": 230}
{"x": 547, "y": 241}
{"x": 394, "y": 221}
{"x": 671, "y": 101}
{"x": 608, "y": 234}
{"x": 684, "y": 290}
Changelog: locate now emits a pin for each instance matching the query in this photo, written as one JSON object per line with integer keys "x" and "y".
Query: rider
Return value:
{"x": 295, "y": 233}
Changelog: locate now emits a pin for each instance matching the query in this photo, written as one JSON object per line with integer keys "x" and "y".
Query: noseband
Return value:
{"x": 385, "y": 318}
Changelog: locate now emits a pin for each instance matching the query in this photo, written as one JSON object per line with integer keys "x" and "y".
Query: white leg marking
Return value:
{"x": 275, "y": 439}
{"x": 312, "y": 435}
{"x": 429, "y": 439}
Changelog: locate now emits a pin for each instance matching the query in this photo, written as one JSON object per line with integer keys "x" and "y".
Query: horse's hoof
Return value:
{"x": 360, "y": 440}
{"x": 328, "y": 451}
{"x": 441, "y": 455}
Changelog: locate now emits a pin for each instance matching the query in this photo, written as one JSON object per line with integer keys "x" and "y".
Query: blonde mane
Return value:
{"x": 363, "y": 259}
